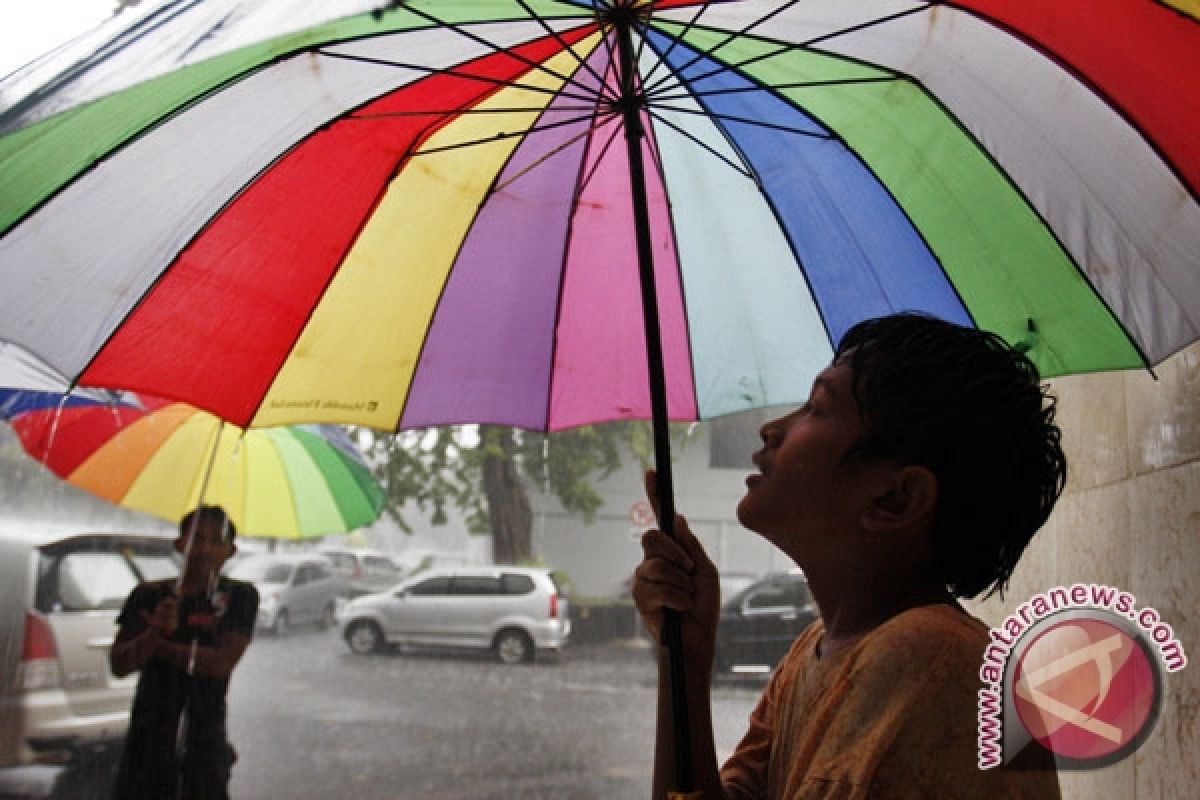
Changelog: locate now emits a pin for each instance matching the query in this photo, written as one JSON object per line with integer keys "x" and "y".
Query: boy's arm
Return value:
{"x": 212, "y": 662}
{"x": 130, "y": 651}
{"x": 141, "y": 631}
{"x": 677, "y": 574}
{"x": 218, "y": 661}
{"x": 706, "y": 780}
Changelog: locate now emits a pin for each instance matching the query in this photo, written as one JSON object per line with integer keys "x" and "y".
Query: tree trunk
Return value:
{"x": 509, "y": 510}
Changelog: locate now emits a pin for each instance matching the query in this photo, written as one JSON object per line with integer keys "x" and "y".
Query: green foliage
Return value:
{"x": 442, "y": 468}
{"x": 434, "y": 468}
{"x": 563, "y": 464}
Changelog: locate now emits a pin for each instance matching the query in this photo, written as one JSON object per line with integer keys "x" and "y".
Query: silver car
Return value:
{"x": 513, "y": 611}
{"x": 292, "y": 589}
{"x": 362, "y": 571}
{"x": 60, "y": 593}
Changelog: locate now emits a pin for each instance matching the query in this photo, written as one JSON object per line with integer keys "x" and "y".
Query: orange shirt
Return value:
{"x": 895, "y": 715}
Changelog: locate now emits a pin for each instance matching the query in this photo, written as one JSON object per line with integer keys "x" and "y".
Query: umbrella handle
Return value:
{"x": 673, "y": 639}
{"x": 672, "y": 632}
{"x": 632, "y": 102}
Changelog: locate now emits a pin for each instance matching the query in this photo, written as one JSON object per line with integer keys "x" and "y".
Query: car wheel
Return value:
{"x": 513, "y": 646}
{"x": 280, "y": 628}
{"x": 364, "y": 637}
{"x": 329, "y": 617}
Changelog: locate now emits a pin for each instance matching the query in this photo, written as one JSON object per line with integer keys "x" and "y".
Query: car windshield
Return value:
{"x": 156, "y": 567}
{"x": 258, "y": 571}
{"x": 733, "y": 583}
{"x": 93, "y": 581}
{"x": 340, "y": 560}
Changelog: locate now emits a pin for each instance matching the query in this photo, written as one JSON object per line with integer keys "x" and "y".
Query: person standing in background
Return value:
{"x": 185, "y": 636}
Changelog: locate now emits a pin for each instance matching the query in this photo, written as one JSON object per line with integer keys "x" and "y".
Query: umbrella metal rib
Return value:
{"x": 540, "y": 67}
{"x": 455, "y": 73}
{"x": 562, "y": 42}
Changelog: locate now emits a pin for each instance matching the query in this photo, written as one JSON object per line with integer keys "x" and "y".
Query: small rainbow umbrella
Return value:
{"x": 164, "y": 458}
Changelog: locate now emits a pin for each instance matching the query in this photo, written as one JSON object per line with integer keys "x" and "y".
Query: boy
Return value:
{"x": 924, "y": 461}
{"x": 186, "y": 637}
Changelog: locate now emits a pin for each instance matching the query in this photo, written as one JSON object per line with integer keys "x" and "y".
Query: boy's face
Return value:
{"x": 210, "y": 546}
{"x": 804, "y": 492}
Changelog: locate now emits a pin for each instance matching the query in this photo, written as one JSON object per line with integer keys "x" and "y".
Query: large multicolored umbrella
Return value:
{"x": 164, "y": 458}
{"x": 424, "y": 216}
{"x": 513, "y": 211}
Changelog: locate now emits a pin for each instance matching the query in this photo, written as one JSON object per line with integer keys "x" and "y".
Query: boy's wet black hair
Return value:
{"x": 207, "y": 514}
{"x": 970, "y": 408}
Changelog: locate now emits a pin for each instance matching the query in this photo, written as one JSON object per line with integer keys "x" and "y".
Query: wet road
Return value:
{"x": 310, "y": 720}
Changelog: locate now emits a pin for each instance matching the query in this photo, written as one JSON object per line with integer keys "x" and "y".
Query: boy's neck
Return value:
{"x": 195, "y": 583}
{"x": 848, "y": 614}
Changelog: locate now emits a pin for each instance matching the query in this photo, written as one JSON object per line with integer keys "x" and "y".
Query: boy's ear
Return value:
{"x": 907, "y": 498}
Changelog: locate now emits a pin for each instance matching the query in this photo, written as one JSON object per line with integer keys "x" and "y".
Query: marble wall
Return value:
{"x": 1130, "y": 518}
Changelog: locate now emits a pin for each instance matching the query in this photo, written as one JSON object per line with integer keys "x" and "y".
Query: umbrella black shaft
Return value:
{"x": 672, "y": 626}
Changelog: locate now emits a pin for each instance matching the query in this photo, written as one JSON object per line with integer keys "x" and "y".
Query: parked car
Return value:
{"x": 758, "y": 624}
{"x": 60, "y": 593}
{"x": 362, "y": 571}
{"x": 513, "y": 611}
{"x": 733, "y": 582}
{"x": 293, "y": 589}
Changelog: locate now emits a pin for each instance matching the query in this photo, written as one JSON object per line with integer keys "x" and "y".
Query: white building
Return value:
{"x": 600, "y": 556}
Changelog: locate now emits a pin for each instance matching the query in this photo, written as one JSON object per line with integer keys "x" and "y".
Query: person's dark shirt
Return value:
{"x": 149, "y": 763}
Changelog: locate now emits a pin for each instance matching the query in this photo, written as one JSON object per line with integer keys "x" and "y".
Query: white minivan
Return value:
{"x": 515, "y": 612}
{"x": 60, "y": 592}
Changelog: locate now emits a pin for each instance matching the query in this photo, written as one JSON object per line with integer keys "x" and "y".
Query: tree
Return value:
{"x": 484, "y": 472}
{"x": 506, "y": 499}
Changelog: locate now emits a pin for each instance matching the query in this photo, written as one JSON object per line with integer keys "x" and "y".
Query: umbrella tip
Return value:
{"x": 392, "y": 5}
{"x": 1025, "y": 344}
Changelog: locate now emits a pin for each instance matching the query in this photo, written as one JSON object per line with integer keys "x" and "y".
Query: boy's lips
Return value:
{"x": 755, "y": 478}
{"x": 759, "y": 460}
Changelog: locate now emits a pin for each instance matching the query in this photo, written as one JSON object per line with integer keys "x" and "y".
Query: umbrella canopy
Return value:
{"x": 517, "y": 211}
{"x": 164, "y": 458}
{"x": 423, "y": 214}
